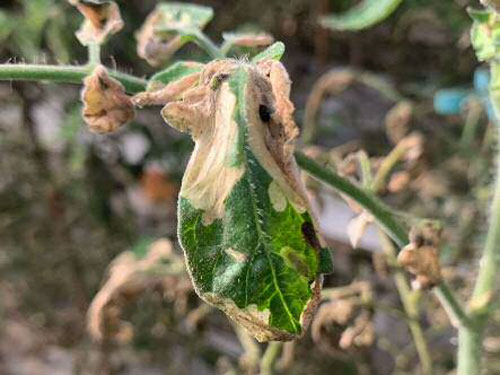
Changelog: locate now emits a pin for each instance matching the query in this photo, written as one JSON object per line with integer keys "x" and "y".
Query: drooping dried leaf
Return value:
{"x": 344, "y": 323}
{"x": 129, "y": 275}
{"x": 106, "y": 105}
{"x": 102, "y": 19}
{"x": 157, "y": 46}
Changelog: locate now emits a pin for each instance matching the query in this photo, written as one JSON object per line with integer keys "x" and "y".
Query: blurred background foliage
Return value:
{"x": 71, "y": 201}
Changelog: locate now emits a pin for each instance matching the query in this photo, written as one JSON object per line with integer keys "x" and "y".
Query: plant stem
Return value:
{"x": 94, "y": 54}
{"x": 409, "y": 305}
{"x": 392, "y": 228}
{"x": 269, "y": 358}
{"x": 453, "y": 308}
{"x": 368, "y": 201}
{"x": 64, "y": 74}
{"x": 471, "y": 337}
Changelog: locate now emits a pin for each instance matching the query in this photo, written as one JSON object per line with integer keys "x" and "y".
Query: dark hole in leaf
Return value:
{"x": 309, "y": 234}
{"x": 264, "y": 113}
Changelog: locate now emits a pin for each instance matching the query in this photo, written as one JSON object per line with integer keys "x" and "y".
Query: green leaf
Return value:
{"x": 174, "y": 72}
{"x": 259, "y": 258}
{"x": 485, "y": 34}
{"x": 273, "y": 52}
{"x": 184, "y": 15}
{"x": 361, "y": 16}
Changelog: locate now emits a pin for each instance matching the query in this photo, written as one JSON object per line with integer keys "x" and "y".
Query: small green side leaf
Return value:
{"x": 174, "y": 72}
{"x": 362, "y": 16}
{"x": 273, "y": 52}
{"x": 185, "y": 15}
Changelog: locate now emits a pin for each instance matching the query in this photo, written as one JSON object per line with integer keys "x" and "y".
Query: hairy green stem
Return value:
{"x": 94, "y": 54}
{"x": 64, "y": 74}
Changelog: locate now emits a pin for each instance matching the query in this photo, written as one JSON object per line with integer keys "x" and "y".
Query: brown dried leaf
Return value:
{"x": 102, "y": 19}
{"x": 154, "y": 47}
{"x": 128, "y": 277}
{"x": 106, "y": 105}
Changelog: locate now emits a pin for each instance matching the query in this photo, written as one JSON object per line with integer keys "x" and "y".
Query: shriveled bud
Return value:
{"x": 423, "y": 262}
{"x": 102, "y": 19}
{"x": 106, "y": 105}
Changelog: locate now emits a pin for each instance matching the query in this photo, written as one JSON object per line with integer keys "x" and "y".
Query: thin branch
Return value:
{"x": 64, "y": 74}
{"x": 269, "y": 358}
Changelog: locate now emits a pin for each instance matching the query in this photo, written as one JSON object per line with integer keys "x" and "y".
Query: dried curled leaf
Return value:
{"x": 344, "y": 323}
{"x": 102, "y": 19}
{"x": 245, "y": 222}
{"x": 129, "y": 275}
{"x": 421, "y": 256}
{"x": 157, "y": 46}
{"x": 106, "y": 105}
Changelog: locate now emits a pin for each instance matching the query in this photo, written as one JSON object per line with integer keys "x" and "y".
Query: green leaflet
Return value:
{"x": 362, "y": 16}
{"x": 260, "y": 261}
{"x": 174, "y": 72}
{"x": 274, "y": 52}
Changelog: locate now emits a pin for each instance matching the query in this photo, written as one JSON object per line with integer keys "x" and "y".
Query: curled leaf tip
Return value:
{"x": 102, "y": 19}
{"x": 106, "y": 105}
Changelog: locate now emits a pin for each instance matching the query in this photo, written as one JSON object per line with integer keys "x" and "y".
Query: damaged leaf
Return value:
{"x": 106, "y": 105}
{"x": 245, "y": 222}
{"x": 157, "y": 46}
{"x": 102, "y": 19}
{"x": 130, "y": 275}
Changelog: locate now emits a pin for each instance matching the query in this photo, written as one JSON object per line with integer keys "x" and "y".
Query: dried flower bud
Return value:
{"x": 426, "y": 233}
{"x": 102, "y": 19}
{"x": 106, "y": 105}
{"x": 423, "y": 263}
